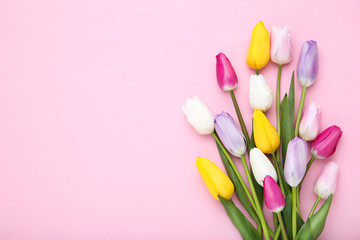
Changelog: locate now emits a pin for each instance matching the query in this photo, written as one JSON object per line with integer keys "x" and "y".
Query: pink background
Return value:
{"x": 94, "y": 144}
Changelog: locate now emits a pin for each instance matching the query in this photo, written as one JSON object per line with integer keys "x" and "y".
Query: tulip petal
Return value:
{"x": 217, "y": 182}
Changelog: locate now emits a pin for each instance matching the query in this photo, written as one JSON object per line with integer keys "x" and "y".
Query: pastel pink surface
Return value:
{"x": 93, "y": 141}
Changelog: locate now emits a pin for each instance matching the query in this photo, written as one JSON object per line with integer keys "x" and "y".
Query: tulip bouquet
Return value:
{"x": 279, "y": 157}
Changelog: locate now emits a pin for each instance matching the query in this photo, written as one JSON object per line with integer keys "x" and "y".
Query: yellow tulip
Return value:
{"x": 265, "y": 135}
{"x": 217, "y": 182}
{"x": 259, "y": 50}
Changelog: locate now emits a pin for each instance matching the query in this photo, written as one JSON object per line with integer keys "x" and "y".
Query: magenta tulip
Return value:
{"x": 225, "y": 73}
{"x": 325, "y": 144}
{"x": 274, "y": 198}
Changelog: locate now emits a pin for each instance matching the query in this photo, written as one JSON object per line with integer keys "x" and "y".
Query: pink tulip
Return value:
{"x": 325, "y": 144}
{"x": 274, "y": 198}
{"x": 325, "y": 184}
{"x": 225, "y": 73}
{"x": 281, "y": 52}
{"x": 310, "y": 122}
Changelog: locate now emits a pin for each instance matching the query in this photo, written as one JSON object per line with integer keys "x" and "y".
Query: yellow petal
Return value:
{"x": 217, "y": 182}
{"x": 265, "y": 135}
{"x": 259, "y": 51}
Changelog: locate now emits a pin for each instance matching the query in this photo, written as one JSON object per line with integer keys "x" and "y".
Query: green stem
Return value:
{"x": 276, "y": 222}
{"x": 276, "y": 164}
{"x": 234, "y": 168}
{"x": 312, "y": 159}
{"x": 294, "y": 212}
{"x": 278, "y": 100}
{"x": 257, "y": 71}
{"x": 301, "y": 106}
{"x": 277, "y": 234}
{"x": 241, "y": 120}
{"x": 282, "y": 226}
{"x": 259, "y": 229}
{"x": 314, "y": 207}
{"x": 298, "y": 199}
{"x": 258, "y": 206}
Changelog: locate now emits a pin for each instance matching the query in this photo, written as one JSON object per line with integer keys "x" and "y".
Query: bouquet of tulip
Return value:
{"x": 289, "y": 145}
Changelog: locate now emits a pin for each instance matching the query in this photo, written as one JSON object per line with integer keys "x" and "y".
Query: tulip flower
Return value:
{"x": 281, "y": 51}
{"x": 217, "y": 182}
{"x": 230, "y": 134}
{"x": 275, "y": 201}
{"x": 325, "y": 144}
{"x": 261, "y": 166}
{"x": 310, "y": 123}
{"x": 225, "y": 73}
{"x": 273, "y": 196}
{"x": 308, "y": 63}
{"x": 306, "y": 71}
{"x": 296, "y": 160}
{"x": 199, "y": 116}
{"x": 325, "y": 184}
{"x": 260, "y": 95}
{"x": 265, "y": 135}
{"x": 259, "y": 51}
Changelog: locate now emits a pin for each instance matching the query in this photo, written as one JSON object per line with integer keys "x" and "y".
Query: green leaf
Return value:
{"x": 288, "y": 118}
{"x": 239, "y": 190}
{"x": 252, "y": 140}
{"x": 259, "y": 190}
{"x": 314, "y": 226}
{"x": 287, "y": 211}
{"x": 245, "y": 228}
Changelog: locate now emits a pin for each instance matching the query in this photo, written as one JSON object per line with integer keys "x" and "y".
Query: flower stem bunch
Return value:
{"x": 273, "y": 178}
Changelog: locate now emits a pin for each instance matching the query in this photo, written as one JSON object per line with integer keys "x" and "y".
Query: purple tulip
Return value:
{"x": 230, "y": 134}
{"x": 296, "y": 161}
{"x": 308, "y": 63}
{"x": 325, "y": 144}
{"x": 274, "y": 198}
{"x": 225, "y": 73}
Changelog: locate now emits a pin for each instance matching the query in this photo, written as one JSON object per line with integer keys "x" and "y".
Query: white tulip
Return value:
{"x": 260, "y": 94}
{"x": 261, "y": 166}
{"x": 199, "y": 116}
{"x": 325, "y": 184}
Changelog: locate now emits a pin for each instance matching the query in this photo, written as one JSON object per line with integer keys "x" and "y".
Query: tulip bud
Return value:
{"x": 274, "y": 198}
{"x": 259, "y": 50}
{"x": 265, "y": 135}
{"x": 261, "y": 166}
{"x": 296, "y": 161}
{"x": 310, "y": 122}
{"x": 281, "y": 51}
{"x": 260, "y": 95}
{"x": 199, "y": 116}
{"x": 225, "y": 73}
{"x": 217, "y": 182}
{"x": 325, "y": 184}
{"x": 325, "y": 144}
{"x": 308, "y": 63}
{"x": 230, "y": 134}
